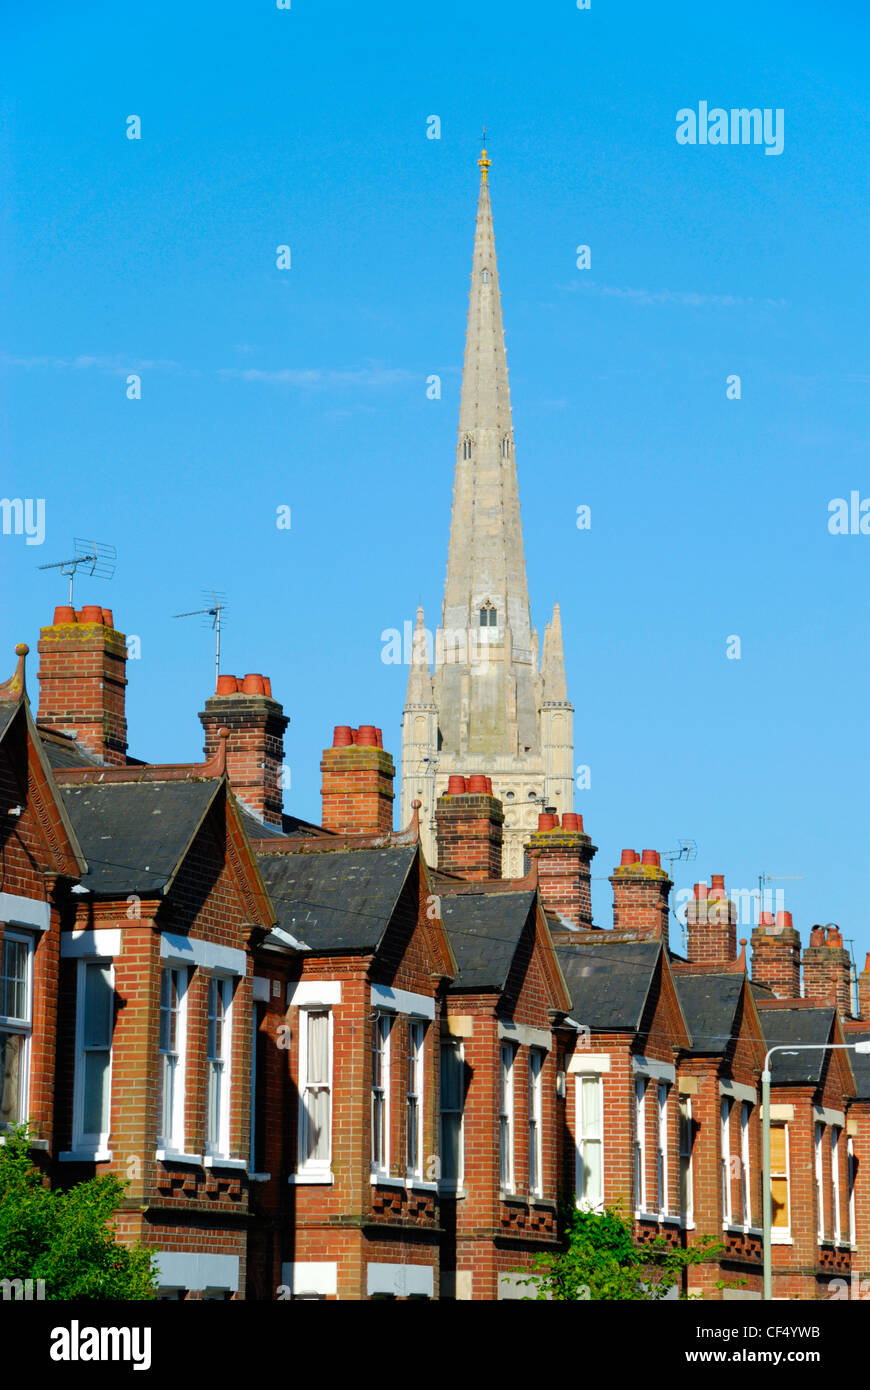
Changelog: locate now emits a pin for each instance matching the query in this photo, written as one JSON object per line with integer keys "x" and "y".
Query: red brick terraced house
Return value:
{"x": 40, "y": 859}
{"x": 810, "y": 1171}
{"x": 330, "y": 1071}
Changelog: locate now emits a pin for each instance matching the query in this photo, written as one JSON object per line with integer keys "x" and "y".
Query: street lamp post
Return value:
{"x": 767, "y": 1200}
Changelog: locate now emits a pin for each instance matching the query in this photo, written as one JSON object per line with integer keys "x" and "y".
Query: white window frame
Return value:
{"x": 453, "y": 1184}
{"x": 313, "y": 1167}
{"x": 835, "y": 1182}
{"x": 640, "y": 1085}
{"x": 745, "y": 1166}
{"x": 662, "y": 1095}
{"x": 818, "y": 1137}
{"x": 414, "y": 1101}
{"x": 781, "y": 1235}
{"x": 507, "y": 1054}
{"x": 219, "y": 1066}
{"x": 852, "y": 1169}
{"x": 173, "y": 1140}
{"x": 585, "y": 1200}
{"x": 725, "y": 1106}
{"x": 21, "y": 1027}
{"x": 686, "y": 1146}
{"x": 536, "y": 1126}
{"x": 382, "y": 1027}
{"x": 91, "y": 1143}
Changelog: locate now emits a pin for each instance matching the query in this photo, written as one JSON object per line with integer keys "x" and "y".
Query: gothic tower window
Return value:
{"x": 466, "y": 447}
{"x": 488, "y": 615}
{"x": 484, "y": 275}
{"x": 506, "y": 447}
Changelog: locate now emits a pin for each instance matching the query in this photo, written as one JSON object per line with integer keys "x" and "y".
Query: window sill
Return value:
{"x": 452, "y": 1192}
{"x": 736, "y": 1229}
{"x": 783, "y": 1239}
{"x": 384, "y": 1180}
{"x": 86, "y": 1156}
{"x": 513, "y": 1199}
{"x": 687, "y": 1225}
{"x": 542, "y": 1202}
{"x": 307, "y": 1179}
{"x": 668, "y": 1220}
{"x": 41, "y": 1144}
{"x": 420, "y": 1185}
{"x": 171, "y": 1156}
{"x": 215, "y": 1161}
{"x": 647, "y": 1216}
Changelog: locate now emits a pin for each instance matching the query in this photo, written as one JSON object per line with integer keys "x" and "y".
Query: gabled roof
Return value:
{"x": 609, "y": 982}
{"x": 136, "y": 834}
{"x": 797, "y": 1026}
{"x": 484, "y": 931}
{"x": 710, "y": 1003}
{"x": 343, "y": 900}
{"x": 64, "y": 849}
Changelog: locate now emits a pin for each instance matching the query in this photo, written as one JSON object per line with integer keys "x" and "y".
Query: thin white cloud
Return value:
{"x": 115, "y": 366}
{"x": 684, "y": 298}
{"x": 371, "y": 376}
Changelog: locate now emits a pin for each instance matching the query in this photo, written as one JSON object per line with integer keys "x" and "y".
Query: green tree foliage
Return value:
{"x": 67, "y": 1239}
{"x": 601, "y": 1261}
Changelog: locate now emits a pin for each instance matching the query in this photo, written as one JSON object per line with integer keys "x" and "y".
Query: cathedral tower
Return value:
{"x": 488, "y": 708}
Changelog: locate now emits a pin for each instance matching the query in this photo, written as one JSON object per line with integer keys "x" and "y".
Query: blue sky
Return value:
{"x": 306, "y": 387}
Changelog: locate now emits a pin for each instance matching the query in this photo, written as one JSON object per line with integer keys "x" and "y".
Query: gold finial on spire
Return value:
{"x": 484, "y": 162}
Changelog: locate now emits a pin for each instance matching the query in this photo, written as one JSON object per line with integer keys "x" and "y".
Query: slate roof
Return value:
{"x": 609, "y": 982}
{"x": 797, "y": 1026}
{"x": 64, "y": 753}
{"x": 8, "y": 710}
{"x": 709, "y": 1003}
{"x": 337, "y": 900}
{"x": 484, "y": 930}
{"x": 290, "y": 825}
{"x": 135, "y": 834}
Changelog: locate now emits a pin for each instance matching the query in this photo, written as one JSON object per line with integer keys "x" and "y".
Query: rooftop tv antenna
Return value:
{"x": 686, "y": 851}
{"x": 92, "y": 557}
{"x": 774, "y": 878}
{"x": 216, "y": 609}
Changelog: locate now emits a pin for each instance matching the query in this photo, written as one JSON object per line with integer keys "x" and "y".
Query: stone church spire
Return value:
{"x": 487, "y": 708}
{"x": 485, "y": 561}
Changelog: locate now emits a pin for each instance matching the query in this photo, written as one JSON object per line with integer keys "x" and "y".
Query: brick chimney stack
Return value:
{"x": 640, "y": 895}
{"x": 711, "y": 919}
{"x": 776, "y": 955}
{"x": 82, "y": 681}
{"x": 469, "y": 821}
{"x": 864, "y": 990}
{"x": 828, "y": 969}
{"x": 357, "y": 788}
{"x": 564, "y": 854}
{"x": 255, "y": 749}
